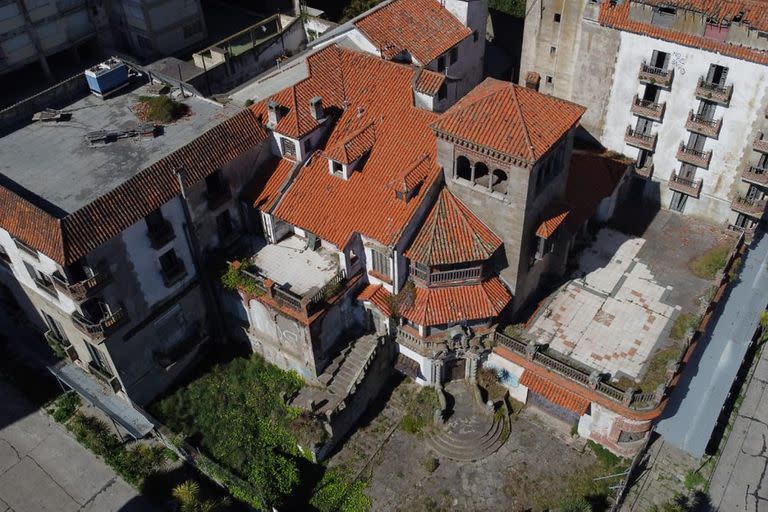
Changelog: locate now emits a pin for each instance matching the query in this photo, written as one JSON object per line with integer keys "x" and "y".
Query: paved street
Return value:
{"x": 42, "y": 468}
{"x": 740, "y": 482}
{"x": 696, "y": 401}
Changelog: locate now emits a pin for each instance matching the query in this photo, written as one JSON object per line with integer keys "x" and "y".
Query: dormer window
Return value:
{"x": 337, "y": 168}
{"x": 287, "y": 147}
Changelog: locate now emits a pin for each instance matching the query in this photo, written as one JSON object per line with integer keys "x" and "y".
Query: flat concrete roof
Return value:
{"x": 54, "y": 165}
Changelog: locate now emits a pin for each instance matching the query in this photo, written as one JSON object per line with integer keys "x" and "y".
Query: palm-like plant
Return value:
{"x": 188, "y": 496}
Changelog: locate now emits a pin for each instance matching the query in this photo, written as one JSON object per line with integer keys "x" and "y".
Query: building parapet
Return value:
{"x": 644, "y": 172}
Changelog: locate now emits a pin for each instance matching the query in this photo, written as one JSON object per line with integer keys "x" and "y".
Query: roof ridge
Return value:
{"x": 433, "y": 230}
{"x": 524, "y": 125}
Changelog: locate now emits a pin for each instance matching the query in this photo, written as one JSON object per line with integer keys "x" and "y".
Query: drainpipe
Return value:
{"x": 209, "y": 297}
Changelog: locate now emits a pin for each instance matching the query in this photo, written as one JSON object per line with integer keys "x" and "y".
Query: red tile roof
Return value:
{"x": 264, "y": 191}
{"x": 554, "y": 393}
{"x": 753, "y": 12}
{"x": 363, "y": 89}
{"x": 510, "y": 119}
{"x": 452, "y": 234}
{"x": 423, "y": 28}
{"x": 352, "y": 147}
{"x": 553, "y": 219}
{"x": 378, "y": 296}
{"x": 617, "y": 16}
{"x": 592, "y": 177}
{"x": 70, "y": 238}
{"x": 429, "y": 82}
{"x": 438, "y": 306}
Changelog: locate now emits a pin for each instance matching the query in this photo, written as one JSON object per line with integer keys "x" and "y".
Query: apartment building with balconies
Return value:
{"x": 678, "y": 86}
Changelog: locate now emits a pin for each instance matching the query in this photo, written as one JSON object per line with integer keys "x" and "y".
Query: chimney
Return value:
{"x": 316, "y": 108}
{"x": 532, "y": 80}
{"x": 273, "y": 113}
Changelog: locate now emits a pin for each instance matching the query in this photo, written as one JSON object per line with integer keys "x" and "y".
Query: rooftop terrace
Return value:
{"x": 53, "y": 164}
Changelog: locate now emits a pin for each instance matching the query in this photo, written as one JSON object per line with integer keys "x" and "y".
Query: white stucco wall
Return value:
{"x": 425, "y": 364}
{"x": 145, "y": 259}
{"x": 516, "y": 390}
{"x": 356, "y": 37}
{"x": 728, "y": 152}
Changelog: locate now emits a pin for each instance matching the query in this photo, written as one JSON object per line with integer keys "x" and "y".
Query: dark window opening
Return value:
{"x": 463, "y": 168}
{"x": 454, "y": 55}
{"x": 224, "y": 225}
{"x": 475, "y": 36}
{"x": 441, "y": 63}
{"x": 337, "y": 168}
{"x": 159, "y": 230}
{"x": 549, "y": 80}
{"x": 171, "y": 267}
{"x": 677, "y": 203}
{"x": 552, "y": 50}
{"x": 442, "y": 92}
{"x": 557, "y": 17}
{"x": 717, "y": 74}
{"x": 482, "y": 176}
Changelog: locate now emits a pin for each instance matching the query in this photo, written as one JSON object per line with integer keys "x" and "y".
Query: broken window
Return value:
{"x": 380, "y": 263}
{"x": 287, "y": 147}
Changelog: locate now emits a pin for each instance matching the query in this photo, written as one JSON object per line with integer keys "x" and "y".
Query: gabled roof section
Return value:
{"x": 512, "y": 120}
{"x": 452, "y": 234}
{"x": 413, "y": 175}
{"x": 423, "y": 28}
{"x": 377, "y": 91}
{"x": 358, "y": 143}
{"x": 438, "y": 306}
{"x": 428, "y": 82}
{"x": 755, "y": 14}
{"x": 70, "y": 238}
{"x": 264, "y": 191}
{"x": 553, "y": 219}
{"x": 377, "y": 295}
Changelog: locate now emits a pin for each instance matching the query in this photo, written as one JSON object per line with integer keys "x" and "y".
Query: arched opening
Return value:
{"x": 463, "y": 168}
{"x": 500, "y": 181}
{"x": 481, "y": 174}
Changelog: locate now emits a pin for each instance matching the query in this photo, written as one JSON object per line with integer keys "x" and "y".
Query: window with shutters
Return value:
{"x": 288, "y": 147}
{"x": 380, "y": 263}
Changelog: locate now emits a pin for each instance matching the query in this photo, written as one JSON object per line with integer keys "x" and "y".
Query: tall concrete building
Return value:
{"x": 679, "y": 86}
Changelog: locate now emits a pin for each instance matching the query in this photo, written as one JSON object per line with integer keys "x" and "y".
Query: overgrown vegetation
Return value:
{"x": 64, "y": 407}
{"x": 235, "y": 279}
{"x": 489, "y": 380}
{"x": 431, "y": 464}
{"x": 358, "y": 7}
{"x": 335, "y": 493}
{"x": 682, "y": 324}
{"x": 161, "y": 109}
{"x": 187, "y": 494}
{"x": 695, "y": 480}
{"x": 237, "y": 414}
{"x": 708, "y": 264}
{"x": 514, "y": 8}
{"x": 134, "y": 464}
{"x": 420, "y": 407}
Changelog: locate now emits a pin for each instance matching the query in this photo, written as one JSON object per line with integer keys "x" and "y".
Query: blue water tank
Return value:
{"x": 106, "y": 77}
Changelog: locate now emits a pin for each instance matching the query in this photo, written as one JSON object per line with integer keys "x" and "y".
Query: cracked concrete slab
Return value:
{"x": 9, "y": 457}
{"x": 118, "y": 496}
{"x": 27, "y": 488}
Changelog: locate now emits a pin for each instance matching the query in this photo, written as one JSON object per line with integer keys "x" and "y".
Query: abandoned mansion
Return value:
{"x": 379, "y": 204}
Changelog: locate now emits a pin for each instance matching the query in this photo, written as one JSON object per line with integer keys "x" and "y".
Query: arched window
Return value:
{"x": 500, "y": 181}
{"x": 463, "y": 168}
{"x": 481, "y": 174}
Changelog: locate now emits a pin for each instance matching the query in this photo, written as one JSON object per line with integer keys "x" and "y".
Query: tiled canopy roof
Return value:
{"x": 378, "y": 296}
{"x": 423, "y": 28}
{"x": 429, "y": 82}
{"x": 438, "y": 306}
{"x": 552, "y": 220}
{"x": 617, "y": 16}
{"x": 554, "y": 393}
{"x": 68, "y": 239}
{"x": 452, "y": 234}
{"x": 353, "y": 146}
{"x": 264, "y": 190}
{"x": 362, "y": 89}
{"x": 513, "y": 120}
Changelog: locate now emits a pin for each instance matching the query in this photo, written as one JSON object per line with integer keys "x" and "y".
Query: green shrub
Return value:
{"x": 707, "y": 265}
{"x": 65, "y": 406}
{"x": 235, "y": 279}
{"x": 94, "y": 434}
{"x": 162, "y": 109}
{"x": 682, "y": 324}
{"x": 431, "y": 464}
{"x": 695, "y": 480}
{"x": 335, "y": 493}
{"x": 187, "y": 494}
{"x": 514, "y": 8}
{"x": 412, "y": 424}
{"x": 604, "y": 455}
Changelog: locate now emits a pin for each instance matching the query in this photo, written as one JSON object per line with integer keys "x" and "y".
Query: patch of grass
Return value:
{"x": 707, "y": 265}
{"x": 695, "y": 480}
{"x": 431, "y": 464}
{"x": 420, "y": 407}
{"x": 681, "y": 325}
{"x": 604, "y": 455}
{"x": 65, "y": 406}
{"x": 162, "y": 109}
{"x": 655, "y": 374}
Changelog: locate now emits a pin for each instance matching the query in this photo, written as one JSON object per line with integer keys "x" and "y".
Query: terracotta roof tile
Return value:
{"x": 353, "y": 146}
{"x": 423, "y": 28}
{"x": 617, "y": 16}
{"x": 264, "y": 191}
{"x": 554, "y": 393}
{"x": 553, "y": 219}
{"x": 429, "y": 82}
{"x": 513, "y": 120}
{"x": 374, "y": 91}
{"x": 591, "y": 178}
{"x": 31, "y": 225}
{"x": 753, "y": 12}
{"x": 378, "y": 296}
{"x": 438, "y": 306}
{"x": 452, "y": 234}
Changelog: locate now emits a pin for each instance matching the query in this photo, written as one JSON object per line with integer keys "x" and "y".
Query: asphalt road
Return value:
{"x": 695, "y": 403}
{"x": 740, "y": 482}
{"x": 43, "y": 469}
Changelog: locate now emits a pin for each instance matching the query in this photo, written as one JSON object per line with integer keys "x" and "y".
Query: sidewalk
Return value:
{"x": 740, "y": 482}
{"x": 43, "y": 469}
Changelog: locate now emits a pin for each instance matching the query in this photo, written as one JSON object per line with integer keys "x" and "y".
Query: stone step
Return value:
{"x": 449, "y": 429}
{"x": 465, "y": 445}
{"x": 467, "y": 453}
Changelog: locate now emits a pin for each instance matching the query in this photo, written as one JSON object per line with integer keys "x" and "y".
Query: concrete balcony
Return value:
{"x": 752, "y": 207}
{"x": 720, "y": 94}
{"x": 760, "y": 143}
{"x": 694, "y": 156}
{"x": 640, "y": 140}
{"x": 99, "y": 329}
{"x": 656, "y": 76}
{"x": 702, "y": 125}
{"x": 81, "y": 290}
{"x": 685, "y": 185}
{"x": 756, "y": 175}
{"x": 648, "y": 109}
{"x": 644, "y": 172}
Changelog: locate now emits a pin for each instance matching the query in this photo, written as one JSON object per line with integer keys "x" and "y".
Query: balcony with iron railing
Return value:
{"x": 640, "y": 140}
{"x": 701, "y": 124}
{"x": 98, "y": 329}
{"x": 691, "y": 187}
{"x": 656, "y": 76}
{"x": 435, "y": 277}
{"x": 760, "y": 143}
{"x": 717, "y": 93}
{"x": 644, "y": 172}
{"x": 104, "y": 376}
{"x": 755, "y": 174}
{"x": 751, "y": 207}
{"x": 648, "y": 109}
{"x": 694, "y": 156}
{"x": 81, "y": 290}
{"x": 161, "y": 234}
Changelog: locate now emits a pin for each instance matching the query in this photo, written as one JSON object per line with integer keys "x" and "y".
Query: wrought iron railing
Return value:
{"x": 99, "y": 329}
